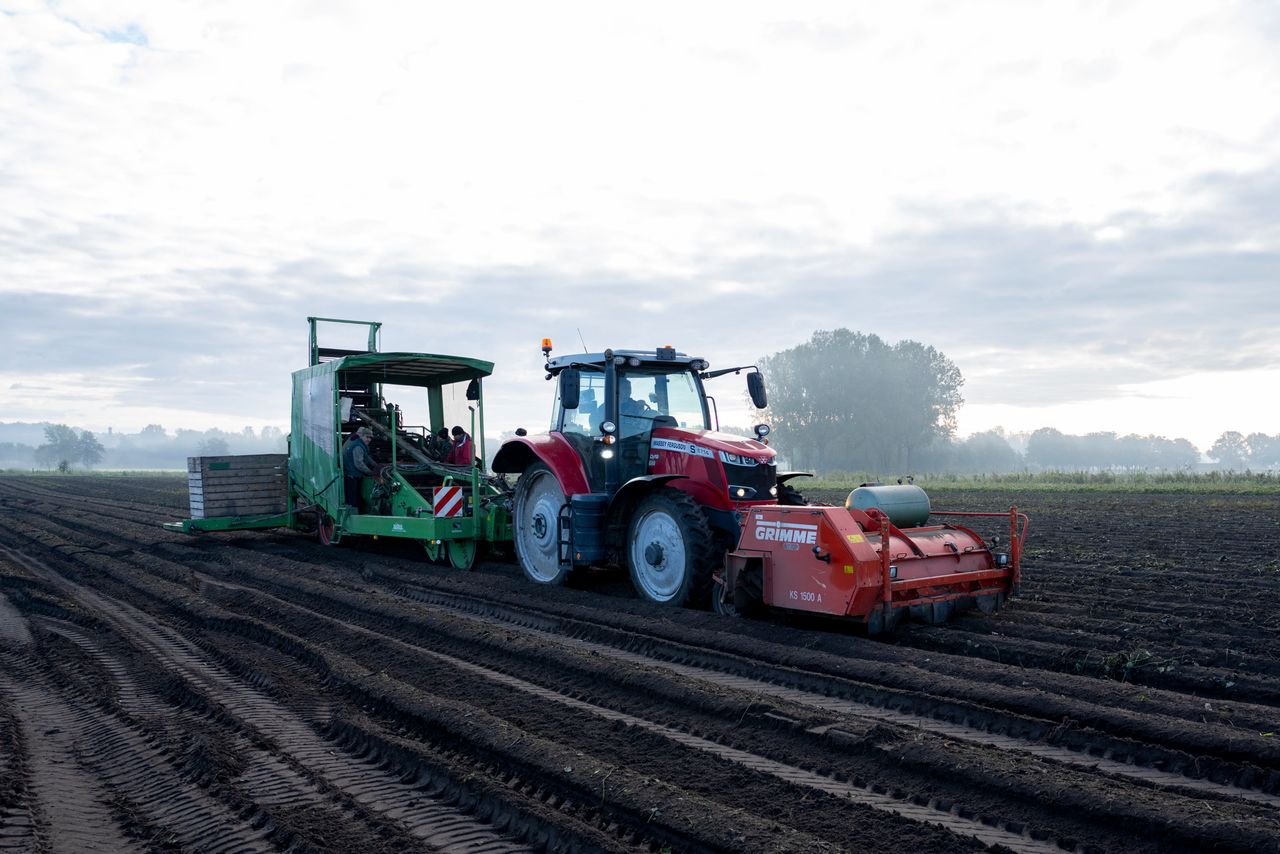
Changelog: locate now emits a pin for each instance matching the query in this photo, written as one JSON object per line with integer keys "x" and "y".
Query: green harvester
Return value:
{"x": 450, "y": 509}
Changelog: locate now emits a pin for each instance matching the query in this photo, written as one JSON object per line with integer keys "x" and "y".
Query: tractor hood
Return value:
{"x": 726, "y": 443}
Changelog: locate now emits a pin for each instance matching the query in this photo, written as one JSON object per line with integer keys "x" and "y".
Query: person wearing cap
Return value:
{"x": 462, "y": 452}
{"x": 356, "y": 463}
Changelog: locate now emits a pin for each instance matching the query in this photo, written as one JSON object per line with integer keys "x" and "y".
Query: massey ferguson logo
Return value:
{"x": 786, "y": 532}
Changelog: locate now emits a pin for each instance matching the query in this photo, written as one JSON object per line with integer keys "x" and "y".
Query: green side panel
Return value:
{"x": 315, "y": 465}
{"x": 426, "y": 528}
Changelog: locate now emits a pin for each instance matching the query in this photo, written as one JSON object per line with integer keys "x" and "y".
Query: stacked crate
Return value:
{"x": 245, "y": 485}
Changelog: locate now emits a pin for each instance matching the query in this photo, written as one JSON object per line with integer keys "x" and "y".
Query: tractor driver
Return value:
{"x": 627, "y": 405}
{"x": 357, "y": 463}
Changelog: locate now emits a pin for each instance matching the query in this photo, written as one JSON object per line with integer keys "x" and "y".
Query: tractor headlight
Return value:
{"x": 762, "y": 430}
{"x": 608, "y": 428}
{"x": 606, "y": 454}
{"x": 1002, "y": 559}
{"x": 741, "y": 493}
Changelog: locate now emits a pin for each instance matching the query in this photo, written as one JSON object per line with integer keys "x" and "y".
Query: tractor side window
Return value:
{"x": 586, "y": 419}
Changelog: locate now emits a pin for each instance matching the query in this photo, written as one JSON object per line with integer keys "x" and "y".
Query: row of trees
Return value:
{"x": 64, "y": 448}
{"x": 1050, "y": 449}
{"x": 847, "y": 401}
{"x": 1237, "y": 451}
{"x": 153, "y": 447}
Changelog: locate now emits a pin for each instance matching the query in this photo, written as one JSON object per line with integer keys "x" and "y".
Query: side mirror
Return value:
{"x": 755, "y": 387}
{"x": 473, "y": 390}
{"x": 570, "y": 388}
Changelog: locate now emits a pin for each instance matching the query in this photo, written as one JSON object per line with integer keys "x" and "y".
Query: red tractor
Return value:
{"x": 631, "y": 472}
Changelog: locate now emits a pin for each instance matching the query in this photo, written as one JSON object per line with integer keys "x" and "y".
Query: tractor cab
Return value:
{"x": 608, "y": 405}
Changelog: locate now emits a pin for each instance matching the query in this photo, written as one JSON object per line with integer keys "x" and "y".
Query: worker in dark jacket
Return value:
{"x": 439, "y": 445}
{"x": 356, "y": 464}
{"x": 462, "y": 453}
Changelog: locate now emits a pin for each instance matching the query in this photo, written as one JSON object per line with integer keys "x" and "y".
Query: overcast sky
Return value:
{"x": 1078, "y": 203}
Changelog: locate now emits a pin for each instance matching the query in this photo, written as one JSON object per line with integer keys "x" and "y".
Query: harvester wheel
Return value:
{"x": 670, "y": 549}
{"x": 462, "y": 554}
{"x": 722, "y": 601}
{"x": 746, "y": 600}
{"x": 538, "y": 501}
{"x": 325, "y": 529}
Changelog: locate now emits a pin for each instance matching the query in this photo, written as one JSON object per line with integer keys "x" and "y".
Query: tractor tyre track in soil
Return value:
{"x": 276, "y": 694}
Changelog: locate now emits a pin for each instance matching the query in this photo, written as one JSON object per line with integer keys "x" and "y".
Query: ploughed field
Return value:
{"x": 259, "y": 691}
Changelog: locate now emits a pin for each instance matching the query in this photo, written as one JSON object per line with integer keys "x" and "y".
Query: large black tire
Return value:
{"x": 537, "y": 504}
{"x": 671, "y": 552}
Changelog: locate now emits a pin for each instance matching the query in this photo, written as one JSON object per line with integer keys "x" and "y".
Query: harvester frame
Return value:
{"x": 343, "y": 389}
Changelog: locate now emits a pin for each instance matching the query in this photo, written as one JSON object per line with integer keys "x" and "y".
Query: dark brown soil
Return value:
{"x": 259, "y": 691}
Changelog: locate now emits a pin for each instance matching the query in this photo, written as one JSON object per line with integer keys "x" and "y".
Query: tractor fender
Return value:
{"x": 631, "y": 491}
{"x": 518, "y": 454}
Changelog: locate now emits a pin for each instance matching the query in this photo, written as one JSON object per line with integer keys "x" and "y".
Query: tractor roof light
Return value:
{"x": 762, "y": 430}
{"x": 546, "y": 346}
{"x": 633, "y": 362}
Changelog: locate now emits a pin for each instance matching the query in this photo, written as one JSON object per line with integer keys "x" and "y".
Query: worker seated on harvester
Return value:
{"x": 438, "y": 445}
{"x": 357, "y": 463}
{"x": 633, "y": 472}
{"x": 461, "y": 454}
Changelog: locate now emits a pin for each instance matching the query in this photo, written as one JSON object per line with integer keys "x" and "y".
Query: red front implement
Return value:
{"x": 855, "y": 563}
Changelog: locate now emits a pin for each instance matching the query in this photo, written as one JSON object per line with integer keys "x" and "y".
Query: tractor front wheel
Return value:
{"x": 670, "y": 550}
{"x": 538, "y": 501}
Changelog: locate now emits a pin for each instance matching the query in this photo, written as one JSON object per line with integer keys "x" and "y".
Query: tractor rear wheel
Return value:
{"x": 538, "y": 501}
{"x": 670, "y": 549}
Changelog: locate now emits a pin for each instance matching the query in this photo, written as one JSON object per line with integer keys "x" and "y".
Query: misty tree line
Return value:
{"x": 153, "y": 447}
{"x": 846, "y": 401}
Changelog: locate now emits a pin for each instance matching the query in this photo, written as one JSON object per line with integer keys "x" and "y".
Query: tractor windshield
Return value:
{"x": 672, "y": 399}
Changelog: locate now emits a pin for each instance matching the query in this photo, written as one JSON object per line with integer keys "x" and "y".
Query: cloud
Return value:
{"x": 1067, "y": 200}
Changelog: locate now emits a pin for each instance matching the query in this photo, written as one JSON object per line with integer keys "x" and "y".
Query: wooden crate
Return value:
{"x": 245, "y": 485}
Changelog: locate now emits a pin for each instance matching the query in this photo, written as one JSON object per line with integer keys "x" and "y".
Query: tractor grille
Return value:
{"x": 761, "y": 479}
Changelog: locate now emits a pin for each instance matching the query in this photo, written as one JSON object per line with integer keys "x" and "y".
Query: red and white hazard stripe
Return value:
{"x": 446, "y": 501}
